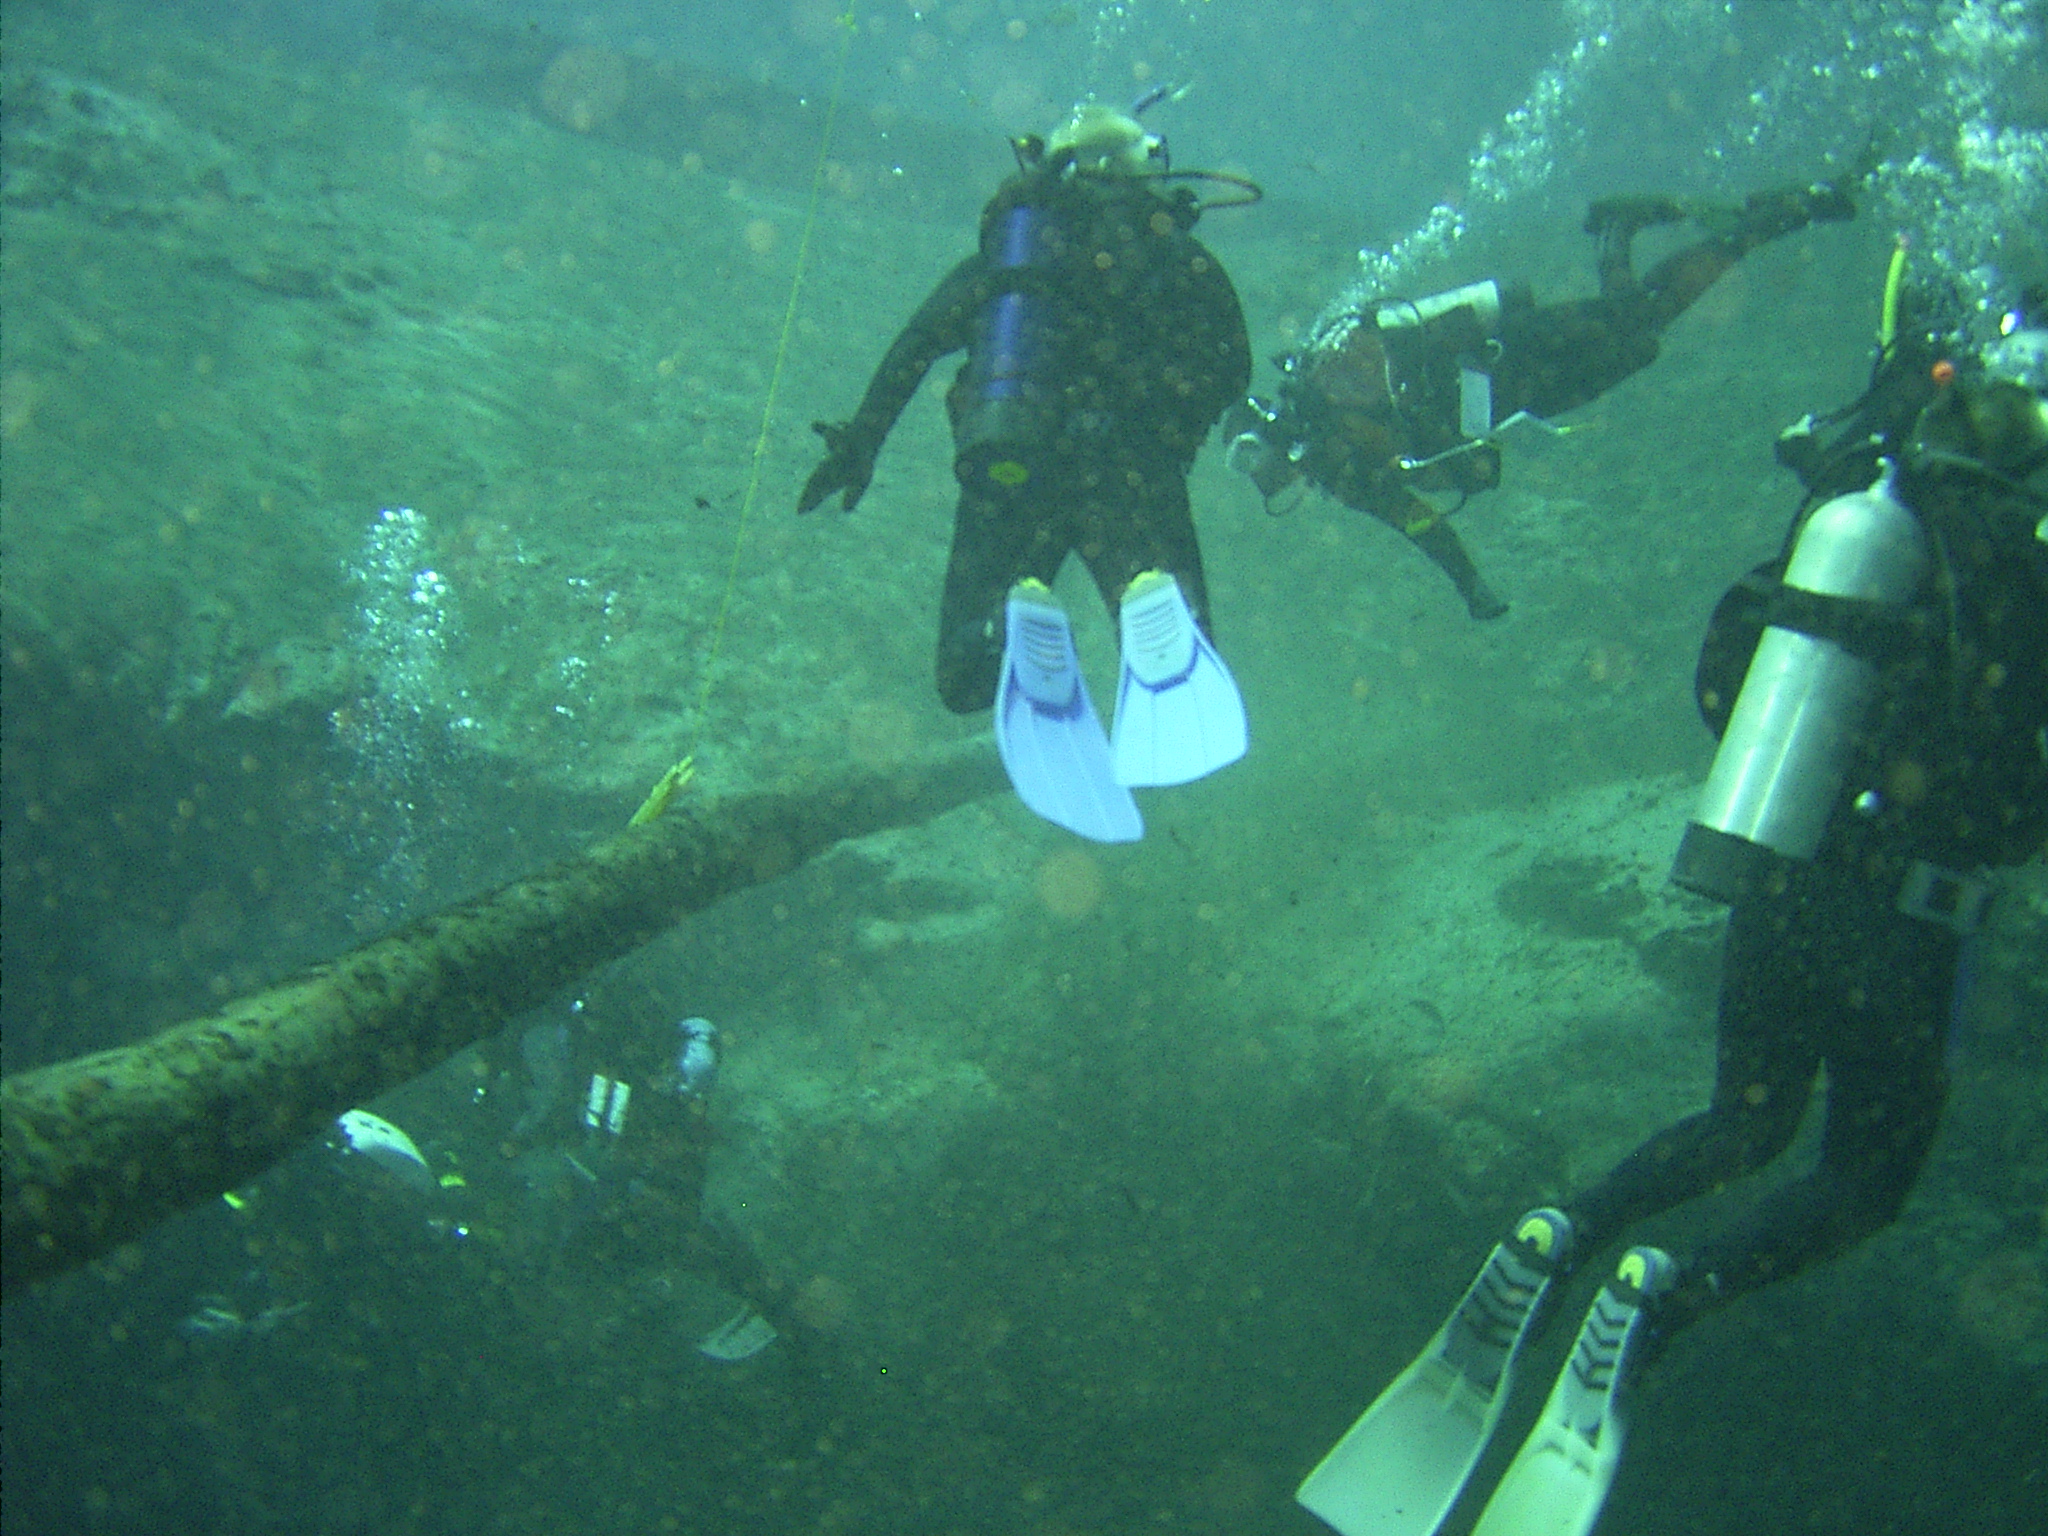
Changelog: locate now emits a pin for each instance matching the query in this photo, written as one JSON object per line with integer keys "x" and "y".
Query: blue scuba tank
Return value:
{"x": 1010, "y": 401}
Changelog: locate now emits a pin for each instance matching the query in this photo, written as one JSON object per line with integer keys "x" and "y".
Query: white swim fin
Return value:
{"x": 1051, "y": 742}
{"x": 1178, "y": 712}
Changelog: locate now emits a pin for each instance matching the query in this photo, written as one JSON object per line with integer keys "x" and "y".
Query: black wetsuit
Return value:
{"x": 1371, "y": 413}
{"x": 1559, "y": 357}
{"x": 631, "y": 1149}
{"x": 1144, "y": 345}
{"x": 645, "y": 1143}
{"x": 1827, "y": 970}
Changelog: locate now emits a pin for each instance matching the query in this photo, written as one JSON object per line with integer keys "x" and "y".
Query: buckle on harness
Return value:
{"x": 1944, "y": 897}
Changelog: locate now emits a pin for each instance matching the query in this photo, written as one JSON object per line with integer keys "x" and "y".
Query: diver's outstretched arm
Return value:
{"x": 943, "y": 323}
{"x": 1437, "y": 539}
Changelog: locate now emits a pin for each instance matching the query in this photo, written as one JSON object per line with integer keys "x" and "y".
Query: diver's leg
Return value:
{"x": 1435, "y": 538}
{"x": 717, "y": 1248}
{"x": 1135, "y": 518}
{"x": 1779, "y": 211}
{"x": 997, "y": 542}
{"x": 1680, "y": 278}
{"x": 1768, "y": 1052}
{"x": 1889, "y": 982}
{"x": 1562, "y": 356}
{"x": 1613, "y": 222}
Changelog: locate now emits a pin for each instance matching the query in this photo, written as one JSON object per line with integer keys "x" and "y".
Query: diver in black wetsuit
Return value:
{"x": 1850, "y": 958}
{"x": 1881, "y": 692}
{"x": 1103, "y": 341}
{"x": 615, "y": 1146}
{"x": 1395, "y": 398}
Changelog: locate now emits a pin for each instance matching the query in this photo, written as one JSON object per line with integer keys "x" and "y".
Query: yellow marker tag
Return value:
{"x": 234, "y": 1201}
{"x": 1008, "y": 473}
{"x": 658, "y": 797}
{"x": 1888, "y": 314}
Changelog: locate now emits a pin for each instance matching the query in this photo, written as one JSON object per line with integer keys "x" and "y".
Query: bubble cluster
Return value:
{"x": 1136, "y": 43}
{"x": 1516, "y": 158}
{"x": 1920, "y": 97}
{"x": 1981, "y": 185}
{"x": 1916, "y": 94}
{"x": 403, "y": 620}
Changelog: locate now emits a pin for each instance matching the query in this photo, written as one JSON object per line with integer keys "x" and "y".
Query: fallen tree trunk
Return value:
{"x": 95, "y": 1150}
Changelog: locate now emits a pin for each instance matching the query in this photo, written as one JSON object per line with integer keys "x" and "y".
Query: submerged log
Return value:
{"x": 95, "y": 1150}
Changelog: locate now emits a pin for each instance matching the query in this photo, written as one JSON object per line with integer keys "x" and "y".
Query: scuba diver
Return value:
{"x": 613, "y": 1148}
{"x": 1881, "y": 694}
{"x": 1394, "y": 401}
{"x": 1103, "y": 342}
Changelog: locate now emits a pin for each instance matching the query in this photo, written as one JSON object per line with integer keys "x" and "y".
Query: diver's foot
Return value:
{"x": 1482, "y": 603}
{"x": 1644, "y": 1282}
{"x": 741, "y": 1336}
{"x": 1781, "y": 211}
{"x": 1559, "y": 1479}
{"x": 1829, "y": 202}
{"x": 1613, "y": 223}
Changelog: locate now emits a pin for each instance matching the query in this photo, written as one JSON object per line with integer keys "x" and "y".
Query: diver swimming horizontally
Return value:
{"x": 1103, "y": 342}
{"x": 1396, "y": 400}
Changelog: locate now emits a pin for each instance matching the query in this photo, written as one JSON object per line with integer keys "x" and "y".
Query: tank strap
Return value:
{"x": 1876, "y": 632}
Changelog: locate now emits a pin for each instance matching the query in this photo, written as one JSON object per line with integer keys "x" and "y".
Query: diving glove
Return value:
{"x": 848, "y": 467}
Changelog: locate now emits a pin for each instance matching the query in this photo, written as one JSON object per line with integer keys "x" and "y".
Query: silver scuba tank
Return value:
{"x": 1786, "y": 750}
{"x": 1482, "y": 298}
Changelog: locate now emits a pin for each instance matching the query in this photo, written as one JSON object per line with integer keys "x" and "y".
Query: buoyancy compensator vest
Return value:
{"x": 1881, "y": 692}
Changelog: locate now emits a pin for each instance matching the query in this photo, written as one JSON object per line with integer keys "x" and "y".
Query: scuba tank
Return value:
{"x": 1475, "y": 330}
{"x": 1785, "y": 753}
{"x": 1010, "y": 403}
{"x": 1010, "y": 409}
{"x": 1419, "y": 370}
